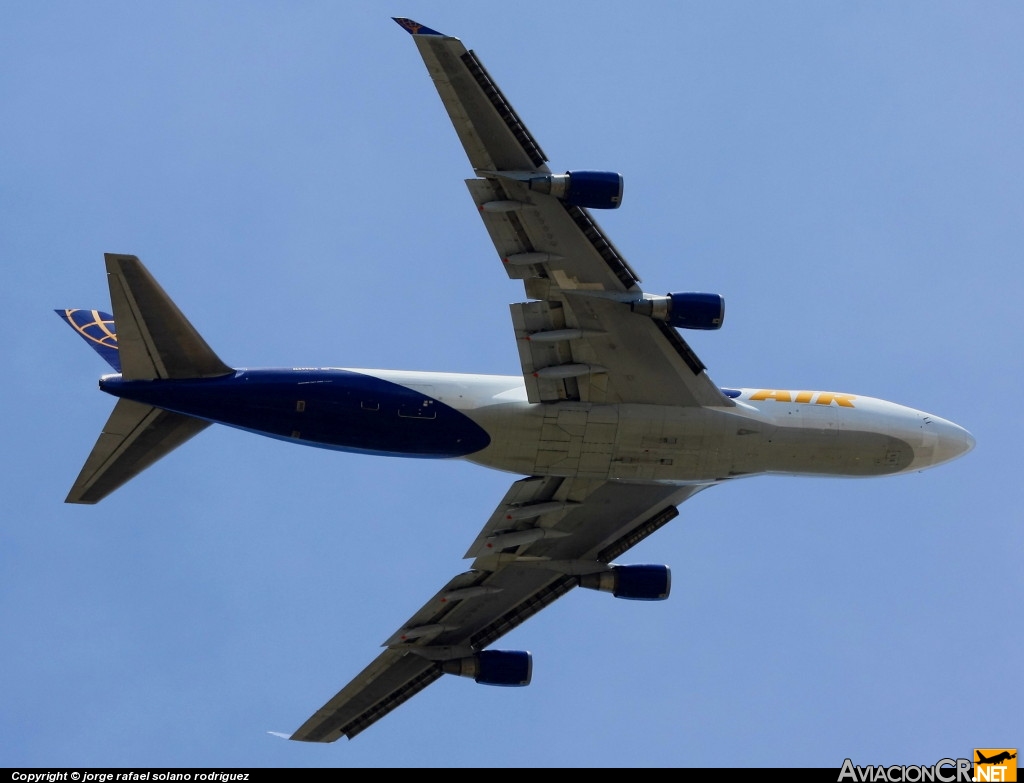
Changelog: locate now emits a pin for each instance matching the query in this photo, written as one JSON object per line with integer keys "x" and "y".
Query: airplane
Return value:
{"x": 612, "y": 423}
{"x": 999, "y": 758}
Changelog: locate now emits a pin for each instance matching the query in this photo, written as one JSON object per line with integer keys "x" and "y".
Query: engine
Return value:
{"x": 494, "y": 667}
{"x": 591, "y": 189}
{"x": 684, "y": 311}
{"x": 636, "y": 582}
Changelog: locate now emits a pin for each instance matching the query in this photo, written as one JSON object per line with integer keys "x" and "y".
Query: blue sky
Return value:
{"x": 848, "y": 175}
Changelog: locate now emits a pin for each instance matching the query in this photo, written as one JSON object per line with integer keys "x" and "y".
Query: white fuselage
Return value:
{"x": 768, "y": 431}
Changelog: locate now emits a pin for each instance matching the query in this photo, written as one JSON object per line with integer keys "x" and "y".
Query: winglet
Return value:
{"x": 415, "y": 28}
{"x": 280, "y": 734}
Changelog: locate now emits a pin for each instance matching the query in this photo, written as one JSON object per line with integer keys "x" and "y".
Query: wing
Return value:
{"x": 578, "y": 339}
{"x": 544, "y": 537}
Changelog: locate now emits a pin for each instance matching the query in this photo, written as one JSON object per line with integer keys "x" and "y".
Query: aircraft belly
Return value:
{"x": 628, "y": 442}
{"x": 334, "y": 409}
{"x": 661, "y": 443}
{"x": 655, "y": 443}
{"x": 803, "y": 451}
{"x": 515, "y": 434}
{"x": 802, "y": 439}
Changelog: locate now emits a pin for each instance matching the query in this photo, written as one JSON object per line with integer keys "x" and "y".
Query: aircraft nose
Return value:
{"x": 952, "y": 440}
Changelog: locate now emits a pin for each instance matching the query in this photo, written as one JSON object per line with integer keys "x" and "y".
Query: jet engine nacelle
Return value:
{"x": 591, "y": 189}
{"x": 494, "y": 667}
{"x": 684, "y": 311}
{"x": 636, "y": 582}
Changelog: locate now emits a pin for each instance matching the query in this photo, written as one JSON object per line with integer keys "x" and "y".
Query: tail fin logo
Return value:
{"x": 96, "y": 328}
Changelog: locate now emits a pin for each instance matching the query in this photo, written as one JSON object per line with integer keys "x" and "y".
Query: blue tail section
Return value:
{"x": 96, "y": 328}
{"x": 151, "y": 341}
{"x": 415, "y": 28}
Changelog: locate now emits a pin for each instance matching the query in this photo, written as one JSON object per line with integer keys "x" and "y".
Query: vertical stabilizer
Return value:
{"x": 154, "y": 339}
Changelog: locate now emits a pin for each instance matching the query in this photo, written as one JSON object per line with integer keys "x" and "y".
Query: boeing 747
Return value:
{"x": 612, "y": 420}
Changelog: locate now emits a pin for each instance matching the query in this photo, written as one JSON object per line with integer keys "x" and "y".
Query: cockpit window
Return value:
{"x": 732, "y": 393}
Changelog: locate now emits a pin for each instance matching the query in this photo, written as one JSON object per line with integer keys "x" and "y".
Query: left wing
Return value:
{"x": 580, "y": 338}
{"x": 545, "y": 537}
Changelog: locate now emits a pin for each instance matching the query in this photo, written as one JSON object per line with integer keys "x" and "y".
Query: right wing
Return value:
{"x": 566, "y": 528}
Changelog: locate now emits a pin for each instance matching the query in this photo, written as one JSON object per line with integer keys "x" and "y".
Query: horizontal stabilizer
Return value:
{"x": 153, "y": 337}
{"x": 134, "y": 437}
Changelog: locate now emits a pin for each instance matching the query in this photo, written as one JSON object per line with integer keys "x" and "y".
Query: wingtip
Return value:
{"x": 414, "y": 28}
{"x": 280, "y": 734}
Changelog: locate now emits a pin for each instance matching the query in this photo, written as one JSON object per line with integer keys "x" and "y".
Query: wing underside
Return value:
{"x": 572, "y": 527}
{"x": 578, "y": 338}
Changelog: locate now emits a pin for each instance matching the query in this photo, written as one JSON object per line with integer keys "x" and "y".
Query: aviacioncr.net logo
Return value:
{"x": 942, "y": 771}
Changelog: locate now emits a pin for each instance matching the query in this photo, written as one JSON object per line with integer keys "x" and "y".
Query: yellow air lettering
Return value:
{"x": 818, "y": 398}
{"x": 772, "y": 394}
{"x": 842, "y": 400}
